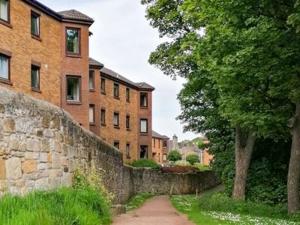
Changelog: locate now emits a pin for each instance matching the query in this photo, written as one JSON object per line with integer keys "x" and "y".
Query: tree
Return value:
{"x": 236, "y": 59}
{"x": 192, "y": 159}
{"x": 174, "y": 156}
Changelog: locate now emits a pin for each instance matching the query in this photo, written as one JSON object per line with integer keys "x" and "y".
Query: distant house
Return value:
{"x": 160, "y": 147}
{"x": 188, "y": 147}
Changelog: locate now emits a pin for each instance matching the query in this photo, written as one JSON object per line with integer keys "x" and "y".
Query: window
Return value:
{"x": 144, "y": 126}
{"x": 73, "y": 41}
{"x": 35, "y": 78}
{"x": 92, "y": 80}
{"x": 154, "y": 143}
{"x": 159, "y": 143}
{"x": 165, "y": 144}
{"x": 144, "y": 100}
{"x": 4, "y": 10}
{"x": 35, "y": 24}
{"x": 127, "y": 94}
{"x": 102, "y": 85}
{"x": 4, "y": 67}
{"x": 116, "y": 119}
{"x": 116, "y": 90}
{"x": 127, "y": 122}
{"x": 73, "y": 88}
{"x": 143, "y": 152}
{"x": 117, "y": 144}
{"x": 103, "y": 115}
{"x": 128, "y": 150}
{"x": 92, "y": 114}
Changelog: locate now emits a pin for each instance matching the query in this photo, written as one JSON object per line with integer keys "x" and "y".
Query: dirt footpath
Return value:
{"x": 156, "y": 211}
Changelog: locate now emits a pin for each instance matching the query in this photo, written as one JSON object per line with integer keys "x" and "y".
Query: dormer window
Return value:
{"x": 4, "y": 10}
{"x": 73, "y": 41}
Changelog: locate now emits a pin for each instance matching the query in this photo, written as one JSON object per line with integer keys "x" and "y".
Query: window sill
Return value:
{"x": 103, "y": 124}
{"x": 144, "y": 107}
{"x": 73, "y": 103}
{"x": 128, "y": 157}
{"x": 7, "y": 24}
{"x": 128, "y": 129}
{"x": 36, "y": 37}
{"x": 4, "y": 81}
{"x": 92, "y": 90}
{"x": 144, "y": 134}
{"x": 36, "y": 90}
{"x": 117, "y": 98}
{"x": 117, "y": 127}
{"x": 73, "y": 56}
{"x": 103, "y": 92}
{"x": 128, "y": 102}
{"x": 92, "y": 124}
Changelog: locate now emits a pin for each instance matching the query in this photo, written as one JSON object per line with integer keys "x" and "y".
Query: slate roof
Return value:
{"x": 144, "y": 85}
{"x": 157, "y": 135}
{"x": 75, "y": 15}
{"x": 95, "y": 63}
{"x": 121, "y": 78}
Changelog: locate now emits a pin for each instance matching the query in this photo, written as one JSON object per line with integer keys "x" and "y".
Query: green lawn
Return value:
{"x": 217, "y": 209}
{"x": 137, "y": 201}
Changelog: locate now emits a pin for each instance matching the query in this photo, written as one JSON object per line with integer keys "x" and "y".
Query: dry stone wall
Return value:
{"x": 41, "y": 146}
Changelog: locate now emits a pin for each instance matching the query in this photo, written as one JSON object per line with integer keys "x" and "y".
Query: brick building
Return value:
{"x": 160, "y": 147}
{"x": 45, "y": 54}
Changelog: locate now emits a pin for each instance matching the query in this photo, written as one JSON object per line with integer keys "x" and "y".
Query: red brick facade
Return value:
{"x": 57, "y": 68}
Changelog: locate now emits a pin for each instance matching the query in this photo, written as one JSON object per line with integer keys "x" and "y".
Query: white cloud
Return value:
{"x": 123, "y": 41}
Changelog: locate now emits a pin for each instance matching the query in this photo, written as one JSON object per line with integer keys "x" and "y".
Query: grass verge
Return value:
{"x": 218, "y": 209}
{"x": 66, "y": 206}
{"x": 137, "y": 201}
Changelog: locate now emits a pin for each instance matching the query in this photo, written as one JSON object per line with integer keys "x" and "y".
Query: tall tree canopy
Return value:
{"x": 241, "y": 61}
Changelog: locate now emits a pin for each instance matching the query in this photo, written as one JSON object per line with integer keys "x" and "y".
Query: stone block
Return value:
{"x": 9, "y": 125}
{"x": 13, "y": 168}
{"x": 42, "y": 184}
{"x": 31, "y": 155}
{"x": 29, "y": 166}
{"x": 42, "y": 166}
{"x": 48, "y": 133}
{"x": 33, "y": 145}
{"x": 44, "y": 157}
{"x": 2, "y": 169}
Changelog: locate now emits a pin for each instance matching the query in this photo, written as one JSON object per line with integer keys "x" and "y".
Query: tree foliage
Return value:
{"x": 174, "y": 156}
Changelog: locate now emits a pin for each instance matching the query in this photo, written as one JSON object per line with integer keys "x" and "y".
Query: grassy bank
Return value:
{"x": 218, "y": 209}
{"x": 66, "y": 206}
{"x": 137, "y": 201}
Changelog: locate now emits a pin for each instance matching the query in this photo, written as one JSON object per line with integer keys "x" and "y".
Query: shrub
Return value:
{"x": 174, "y": 156}
{"x": 202, "y": 167}
{"x": 192, "y": 159}
{"x": 145, "y": 163}
{"x": 182, "y": 163}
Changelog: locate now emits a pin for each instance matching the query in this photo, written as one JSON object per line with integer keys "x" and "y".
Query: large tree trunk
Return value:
{"x": 294, "y": 166}
{"x": 244, "y": 145}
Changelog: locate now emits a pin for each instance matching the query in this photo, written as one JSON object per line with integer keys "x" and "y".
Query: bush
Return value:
{"x": 174, "y": 156}
{"x": 192, "y": 159}
{"x": 182, "y": 163}
{"x": 145, "y": 163}
{"x": 202, "y": 167}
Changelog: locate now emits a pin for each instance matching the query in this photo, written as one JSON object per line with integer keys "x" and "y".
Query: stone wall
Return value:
{"x": 41, "y": 146}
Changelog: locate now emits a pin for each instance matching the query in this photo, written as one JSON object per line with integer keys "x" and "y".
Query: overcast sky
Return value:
{"x": 123, "y": 41}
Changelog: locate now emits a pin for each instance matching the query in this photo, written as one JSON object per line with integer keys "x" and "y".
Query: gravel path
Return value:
{"x": 156, "y": 211}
